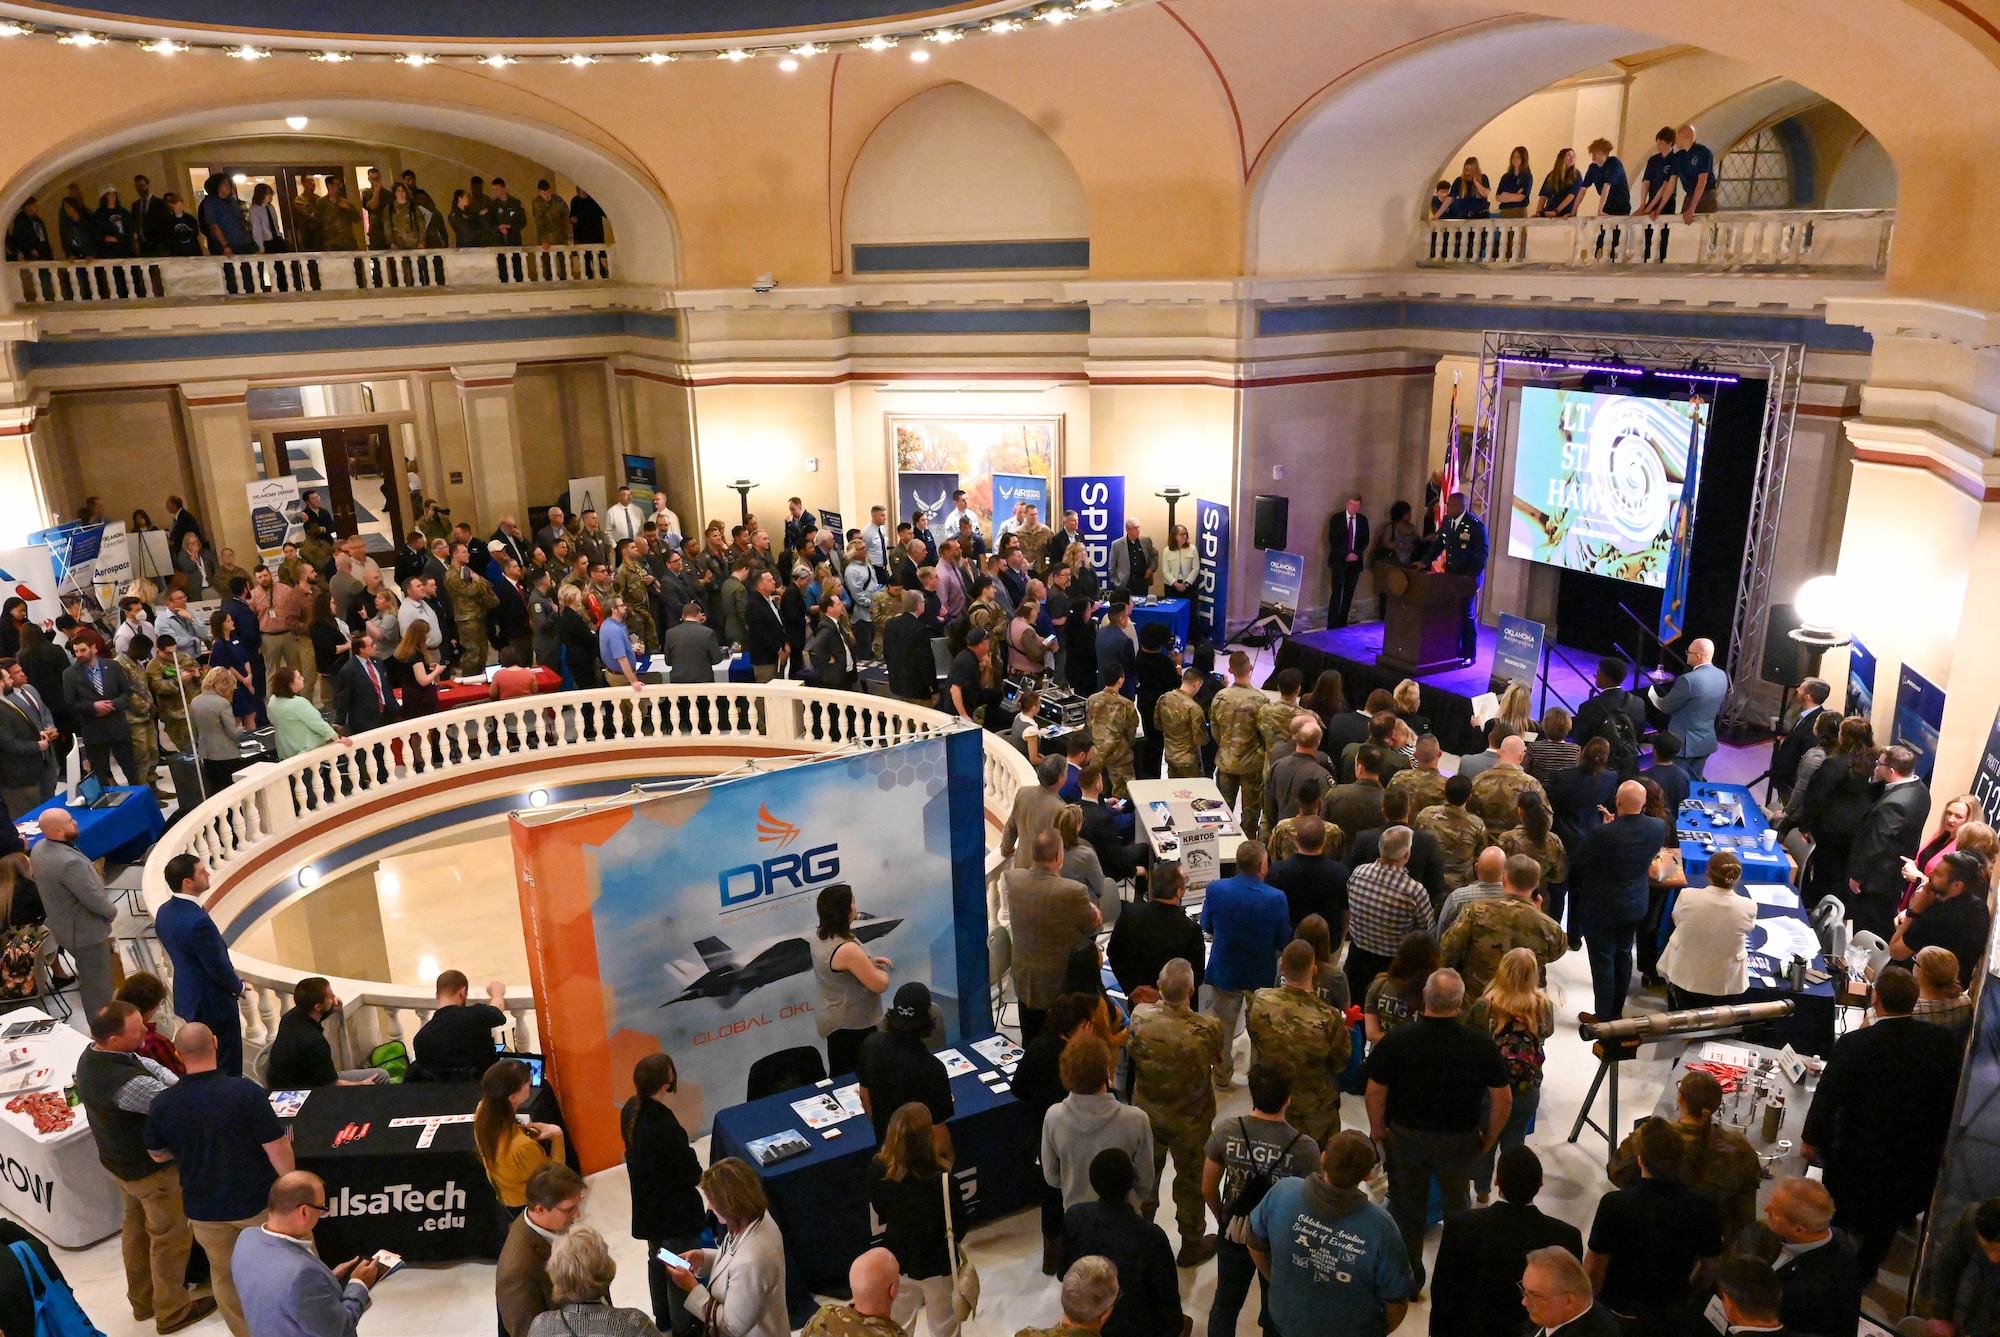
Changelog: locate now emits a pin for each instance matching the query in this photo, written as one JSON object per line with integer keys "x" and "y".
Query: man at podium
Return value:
{"x": 1460, "y": 550}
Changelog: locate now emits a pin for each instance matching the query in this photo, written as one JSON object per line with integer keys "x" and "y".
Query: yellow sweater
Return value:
{"x": 520, "y": 1156}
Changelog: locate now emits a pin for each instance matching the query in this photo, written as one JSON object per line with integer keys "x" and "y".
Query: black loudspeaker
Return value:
{"x": 1273, "y": 522}
{"x": 1784, "y": 658}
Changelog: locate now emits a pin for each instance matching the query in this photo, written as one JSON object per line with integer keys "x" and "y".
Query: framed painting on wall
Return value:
{"x": 976, "y": 447}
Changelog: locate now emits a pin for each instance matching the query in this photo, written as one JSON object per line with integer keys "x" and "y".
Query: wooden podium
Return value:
{"x": 1425, "y": 615}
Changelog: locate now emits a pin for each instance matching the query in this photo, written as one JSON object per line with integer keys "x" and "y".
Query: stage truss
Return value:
{"x": 1779, "y": 364}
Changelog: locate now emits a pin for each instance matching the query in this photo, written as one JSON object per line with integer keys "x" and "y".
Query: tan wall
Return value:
{"x": 126, "y": 446}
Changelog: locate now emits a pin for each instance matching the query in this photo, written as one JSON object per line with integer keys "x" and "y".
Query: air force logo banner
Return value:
{"x": 685, "y": 922}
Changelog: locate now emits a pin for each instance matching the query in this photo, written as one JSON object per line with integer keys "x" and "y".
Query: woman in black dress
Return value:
{"x": 664, "y": 1173}
{"x": 1577, "y": 792}
{"x": 578, "y": 641}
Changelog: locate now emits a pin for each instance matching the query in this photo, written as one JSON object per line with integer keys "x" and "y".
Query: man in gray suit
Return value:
{"x": 690, "y": 647}
{"x": 1035, "y": 810}
{"x": 1692, "y": 704}
{"x": 1133, "y": 562}
{"x": 79, "y": 912}
{"x": 285, "y": 1289}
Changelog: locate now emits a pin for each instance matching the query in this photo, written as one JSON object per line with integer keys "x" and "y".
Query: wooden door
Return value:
{"x": 355, "y": 471}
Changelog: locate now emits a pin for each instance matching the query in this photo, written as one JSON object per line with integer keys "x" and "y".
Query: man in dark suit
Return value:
{"x": 764, "y": 629}
{"x": 1483, "y": 1254}
{"x": 1607, "y": 890}
{"x": 1313, "y": 882}
{"x": 1114, "y": 646}
{"x": 1346, "y": 555}
{"x": 1792, "y": 748}
{"x": 691, "y": 648}
{"x": 1879, "y": 1119}
{"x": 311, "y": 512}
{"x": 1752, "y": 1297}
{"x": 206, "y": 985}
{"x": 1556, "y": 1292}
{"x": 1594, "y": 718}
{"x": 95, "y": 689}
{"x": 184, "y": 523}
{"x": 1104, "y": 828}
{"x": 360, "y": 693}
{"x": 511, "y": 624}
{"x": 906, "y": 649}
{"x": 1816, "y": 1264}
{"x": 1889, "y": 834}
{"x": 1152, "y": 932}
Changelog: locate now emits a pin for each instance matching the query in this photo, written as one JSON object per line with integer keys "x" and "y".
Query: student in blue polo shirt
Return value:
{"x": 1471, "y": 194}
{"x": 1695, "y": 166}
{"x": 1559, "y": 188}
{"x": 229, "y": 1147}
{"x": 1658, "y": 178}
{"x": 1606, "y": 176}
{"x": 1517, "y": 185}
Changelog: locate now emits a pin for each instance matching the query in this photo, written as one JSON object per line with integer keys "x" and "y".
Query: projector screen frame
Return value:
{"x": 1779, "y": 364}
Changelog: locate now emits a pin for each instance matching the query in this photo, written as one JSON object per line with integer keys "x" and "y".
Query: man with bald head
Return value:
{"x": 876, "y": 1281}
{"x": 1692, "y": 704}
{"x": 1497, "y": 790}
{"x": 229, "y": 1147}
{"x": 1607, "y": 895}
{"x": 79, "y": 911}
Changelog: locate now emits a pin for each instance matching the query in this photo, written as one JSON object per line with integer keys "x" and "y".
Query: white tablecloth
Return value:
{"x": 55, "y": 1185}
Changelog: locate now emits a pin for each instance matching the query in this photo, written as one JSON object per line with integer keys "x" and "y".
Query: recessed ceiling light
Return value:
{"x": 735, "y": 53}
{"x": 807, "y": 49}
{"x": 579, "y": 60}
{"x": 496, "y": 62}
{"x": 309, "y": 876}
{"x": 538, "y": 798}
{"x": 920, "y": 55}
{"x": 788, "y": 64}
{"x": 878, "y": 43}
{"x": 166, "y": 46}
{"x": 1004, "y": 26}
{"x": 660, "y": 58}
{"x": 81, "y": 39}
{"x": 296, "y": 122}
{"x": 944, "y": 35}
{"x": 415, "y": 58}
{"x": 332, "y": 57}
{"x": 13, "y": 29}
{"x": 249, "y": 53}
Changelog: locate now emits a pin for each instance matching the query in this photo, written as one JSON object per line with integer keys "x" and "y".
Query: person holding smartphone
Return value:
{"x": 283, "y": 1285}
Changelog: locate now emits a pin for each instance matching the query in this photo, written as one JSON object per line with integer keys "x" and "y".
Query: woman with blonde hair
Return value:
{"x": 580, "y": 1274}
{"x": 20, "y": 898}
{"x": 908, "y": 1189}
{"x": 1519, "y": 1016}
{"x": 218, "y": 739}
{"x": 1080, "y": 861}
{"x": 386, "y": 627}
{"x": 1956, "y": 813}
{"x": 1180, "y": 565}
{"x": 1409, "y": 699}
{"x": 1940, "y": 999}
{"x": 744, "y": 1295}
{"x": 1561, "y": 188}
{"x": 1514, "y": 711}
{"x": 509, "y": 1149}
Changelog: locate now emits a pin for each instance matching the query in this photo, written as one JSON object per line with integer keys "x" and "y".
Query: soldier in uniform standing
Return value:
{"x": 139, "y": 710}
{"x": 1493, "y": 926}
{"x": 1496, "y": 791}
{"x": 1284, "y": 841}
{"x": 1183, "y": 727}
{"x": 1460, "y": 550}
{"x": 1274, "y": 718}
{"x": 1035, "y": 536}
{"x": 471, "y": 600}
{"x": 1422, "y": 781}
{"x": 884, "y": 604}
{"x": 1239, "y": 757}
{"x": 174, "y": 680}
{"x": 1173, "y": 1049}
{"x": 1295, "y": 1031}
{"x": 873, "y": 1280}
{"x": 1114, "y": 723}
{"x": 634, "y": 584}
{"x": 1460, "y": 835}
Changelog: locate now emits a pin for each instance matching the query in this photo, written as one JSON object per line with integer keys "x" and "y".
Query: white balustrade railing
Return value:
{"x": 237, "y": 827}
{"x": 1853, "y": 240}
{"x": 76, "y": 283}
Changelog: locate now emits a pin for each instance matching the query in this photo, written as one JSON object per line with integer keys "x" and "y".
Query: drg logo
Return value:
{"x": 781, "y": 874}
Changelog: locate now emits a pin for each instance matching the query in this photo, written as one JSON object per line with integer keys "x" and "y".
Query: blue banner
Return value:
{"x": 1860, "y": 681}
{"x": 1211, "y": 545}
{"x": 1517, "y": 656}
{"x": 1986, "y": 781}
{"x": 1010, "y": 488}
{"x": 930, "y": 493}
{"x": 1278, "y": 595}
{"x": 1099, "y": 503}
{"x": 70, "y": 545}
{"x": 1673, "y": 603}
{"x": 1919, "y": 717}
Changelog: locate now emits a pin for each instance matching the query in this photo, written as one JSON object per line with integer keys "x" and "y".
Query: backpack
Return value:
{"x": 1521, "y": 1050}
{"x": 57, "y": 1314}
{"x": 392, "y": 1057}
{"x": 17, "y": 964}
{"x": 1624, "y": 740}
{"x": 1254, "y": 1185}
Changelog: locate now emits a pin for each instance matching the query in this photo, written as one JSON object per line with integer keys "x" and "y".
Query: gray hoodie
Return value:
{"x": 1074, "y": 1131}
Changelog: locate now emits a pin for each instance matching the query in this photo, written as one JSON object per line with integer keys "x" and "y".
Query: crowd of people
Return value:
{"x": 1679, "y": 178}
{"x": 397, "y": 215}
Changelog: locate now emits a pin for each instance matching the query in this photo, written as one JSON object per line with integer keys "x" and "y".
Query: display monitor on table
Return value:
{"x": 1599, "y": 481}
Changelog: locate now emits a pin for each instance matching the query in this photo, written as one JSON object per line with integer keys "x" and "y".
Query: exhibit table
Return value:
{"x": 465, "y": 693}
{"x": 1781, "y": 932}
{"x": 1717, "y": 817}
{"x": 53, "y": 1183}
{"x": 1165, "y": 809}
{"x": 819, "y": 1197}
{"x": 122, "y": 834}
{"x": 1743, "y": 1107}
{"x": 1176, "y": 615}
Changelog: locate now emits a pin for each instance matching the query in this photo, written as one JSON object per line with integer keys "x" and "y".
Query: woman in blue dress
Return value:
{"x": 229, "y": 653}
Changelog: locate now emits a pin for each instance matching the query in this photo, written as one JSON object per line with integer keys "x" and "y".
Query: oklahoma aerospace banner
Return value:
{"x": 683, "y": 923}
{"x": 1099, "y": 503}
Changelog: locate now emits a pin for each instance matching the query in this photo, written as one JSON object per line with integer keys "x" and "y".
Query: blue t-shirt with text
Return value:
{"x": 1331, "y": 1274}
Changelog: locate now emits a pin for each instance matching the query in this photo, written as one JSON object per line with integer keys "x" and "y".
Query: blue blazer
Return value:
{"x": 205, "y": 980}
{"x": 1607, "y": 870}
{"x": 1691, "y": 705}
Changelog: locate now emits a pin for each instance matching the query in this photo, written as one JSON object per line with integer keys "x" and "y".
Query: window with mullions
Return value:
{"x": 1756, "y": 174}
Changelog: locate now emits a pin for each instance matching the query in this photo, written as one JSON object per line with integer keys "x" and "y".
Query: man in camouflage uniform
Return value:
{"x": 1295, "y": 1031}
{"x": 1422, "y": 781}
{"x": 1183, "y": 727}
{"x": 1239, "y": 756}
{"x": 884, "y": 604}
{"x": 873, "y": 1279}
{"x": 139, "y": 710}
{"x": 1275, "y": 718}
{"x": 1035, "y": 536}
{"x": 174, "y": 680}
{"x": 1460, "y": 835}
{"x": 634, "y": 584}
{"x": 1496, "y": 792}
{"x": 1089, "y": 1289}
{"x": 1173, "y": 1048}
{"x": 1493, "y": 926}
{"x": 1285, "y": 835}
{"x": 1114, "y": 723}
{"x": 471, "y": 600}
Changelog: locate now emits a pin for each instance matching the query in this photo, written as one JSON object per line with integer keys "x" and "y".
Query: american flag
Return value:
{"x": 1448, "y": 481}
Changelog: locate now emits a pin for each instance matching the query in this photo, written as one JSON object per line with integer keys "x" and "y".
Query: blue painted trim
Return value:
{"x": 965, "y": 784}
{"x": 1013, "y": 320}
{"x": 1814, "y": 333}
{"x": 342, "y": 337}
{"x": 372, "y": 845}
{"x": 500, "y": 20}
{"x": 933, "y": 257}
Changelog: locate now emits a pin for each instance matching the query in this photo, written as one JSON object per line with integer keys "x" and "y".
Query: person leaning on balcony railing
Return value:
{"x": 550, "y": 213}
{"x": 1659, "y": 178}
{"x": 1606, "y": 176}
{"x": 1560, "y": 188}
{"x": 339, "y": 219}
{"x": 1694, "y": 164}
{"x": 28, "y": 234}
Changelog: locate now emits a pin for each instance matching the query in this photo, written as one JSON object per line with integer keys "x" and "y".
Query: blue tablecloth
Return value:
{"x": 820, "y": 1198}
{"x": 122, "y": 834}
{"x": 1176, "y": 615}
{"x": 1743, "y": 838}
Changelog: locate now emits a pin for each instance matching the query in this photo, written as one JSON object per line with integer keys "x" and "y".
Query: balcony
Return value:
{"x": 1852, "y": 242}
{"x": 117, "y": 284}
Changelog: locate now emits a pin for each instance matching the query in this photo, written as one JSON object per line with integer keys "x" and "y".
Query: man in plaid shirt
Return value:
{"x": 1384, "y": 904}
